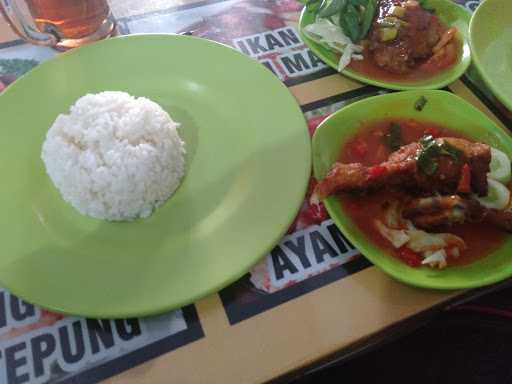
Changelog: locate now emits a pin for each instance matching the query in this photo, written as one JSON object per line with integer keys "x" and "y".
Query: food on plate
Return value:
{"x": 114, "y": 156}
{"x": 396, "y": 39}
{"x": 420, "y": 165}
{"x": 422, "y": 192}
{"x": 445, "y": 211}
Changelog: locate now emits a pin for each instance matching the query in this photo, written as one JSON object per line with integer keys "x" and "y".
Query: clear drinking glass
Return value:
{"x": 62, "y": 24}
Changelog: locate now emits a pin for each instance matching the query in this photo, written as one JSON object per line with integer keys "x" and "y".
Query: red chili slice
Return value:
{"x": 377, "y": 171}
{"x": 409, "y": 257}
{"x": 432, "y": 131}
{"x": 465, "y": 180}
{"x": 359, "y": 148}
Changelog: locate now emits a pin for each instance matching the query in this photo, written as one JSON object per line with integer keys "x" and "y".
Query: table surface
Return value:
{"x": 260, "y": 328}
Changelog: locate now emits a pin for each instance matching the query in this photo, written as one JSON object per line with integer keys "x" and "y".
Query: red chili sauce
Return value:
{"x": 368, "y": 147}
{"x": 423, "y": 71}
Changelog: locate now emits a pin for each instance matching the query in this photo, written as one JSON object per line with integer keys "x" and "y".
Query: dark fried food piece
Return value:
{"x": 447, "y": 176}
{"x": 397, "y": 43}
{"x": 401, "y": 170}
{"x": 440, "y": 212}
{"x": 501, "y": 219}
{"x": 398, "y": 170}
{"x": 479, "y": 158}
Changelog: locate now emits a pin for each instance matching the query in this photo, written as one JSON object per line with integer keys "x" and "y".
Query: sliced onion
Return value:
{"x": 345, "y": 58}
{"x": 331, "y": 35}
{"x": 500, "y": 166}
{"x": 324, "y": 30}
{"x": 498, "y": 195}
{"x": 397, "y": 237}
{"x": 435, "y": 259}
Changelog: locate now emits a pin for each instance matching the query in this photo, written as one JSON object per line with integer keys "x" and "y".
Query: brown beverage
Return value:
{"x": 70, "y": 19}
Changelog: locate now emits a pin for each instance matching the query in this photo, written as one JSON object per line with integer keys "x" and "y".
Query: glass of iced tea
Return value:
{"x": 62, "y": 24}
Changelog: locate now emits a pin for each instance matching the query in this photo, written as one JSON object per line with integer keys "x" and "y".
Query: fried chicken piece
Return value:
{"x": 398, "y": 169}
{"x": 478, "y": 156}
{"x": 417, "y": 33}
{"x": 447, "y": 176}
{"x": 439, "y": 212}
{"x": 401, "y": 170}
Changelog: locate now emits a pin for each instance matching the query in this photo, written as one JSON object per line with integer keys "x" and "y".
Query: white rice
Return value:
{"x": 114, "y": 157}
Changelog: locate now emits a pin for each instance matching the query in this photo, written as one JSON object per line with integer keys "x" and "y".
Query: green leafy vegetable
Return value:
{"x": 354, "y": 17}
{"x": 323, "y": 5}
{"x": 427, "y": 156}
{"x": 420, "y": 103}
{"x": 431, "y": 149}
{"x": 426, "y": 6}
{"x": 368, "y": 15}
{"x": 393, "y": 138}
{"x": 427, "y": 141}
{"x": 334, "y": 7}
{"x": 359, "y": 2}
{"x": 312, "y": 5}
{"x": 450, "y": 150}
{"x": 349, "y": 22}
{"x": 427, "y": 164}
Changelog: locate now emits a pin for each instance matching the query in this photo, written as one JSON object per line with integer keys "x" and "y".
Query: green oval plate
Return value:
{"x": 442, "y": 108}
{"x": 248, "y": 163}
{"x": 490, "y": 37}
{"x": 450, "y": 14}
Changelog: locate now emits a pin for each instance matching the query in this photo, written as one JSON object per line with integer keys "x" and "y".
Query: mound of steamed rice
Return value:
{"x": 114, "y": 157}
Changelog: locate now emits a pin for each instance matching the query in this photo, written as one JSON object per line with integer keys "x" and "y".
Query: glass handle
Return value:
{"x": 23, "y": 26}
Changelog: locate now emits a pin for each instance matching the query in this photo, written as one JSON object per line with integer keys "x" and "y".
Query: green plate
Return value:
{"x": 450, "y": 14}
{"x": 442, "y": 108}
{"x": 490, "y": 36}
{"x": 248, "y": 164}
